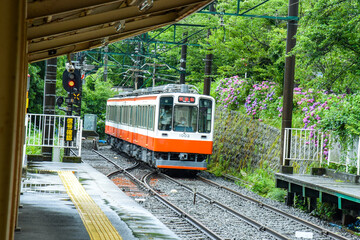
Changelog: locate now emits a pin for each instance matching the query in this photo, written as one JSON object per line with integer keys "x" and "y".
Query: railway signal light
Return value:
{"x": 59, "y": 101}
{"x": 72, "y": 80}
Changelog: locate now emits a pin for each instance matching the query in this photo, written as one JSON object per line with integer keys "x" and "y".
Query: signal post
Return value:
{"x": 72, "y": 83}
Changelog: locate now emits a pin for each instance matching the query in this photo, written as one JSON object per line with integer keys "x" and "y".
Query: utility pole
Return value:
{"x": 153, "y": 74}
{"x": 106, "y": 50}
{"x": 49, "y": 106}
{"x": 138, "y": 78}
{"x": 208, "y": 62}
{"x": 289, "y": 76}
{"x": 183, "y": 60}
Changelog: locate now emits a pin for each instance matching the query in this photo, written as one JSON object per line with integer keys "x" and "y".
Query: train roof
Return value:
{"x": 170, "y": 88}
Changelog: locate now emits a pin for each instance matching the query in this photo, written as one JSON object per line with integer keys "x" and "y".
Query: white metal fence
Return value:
{"x": 53, "y": 131}
{"x": 349, "y": 157}
{"x": 313, "y": 145}
{"x": 302, "y": 145}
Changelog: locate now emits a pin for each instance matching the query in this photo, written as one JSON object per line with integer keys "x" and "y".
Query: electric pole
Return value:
{"x": 183, "y": 60}
{"x": 289, "y": 76}
{"x": 49, "y": 106}
{"x": 208, "y": 62}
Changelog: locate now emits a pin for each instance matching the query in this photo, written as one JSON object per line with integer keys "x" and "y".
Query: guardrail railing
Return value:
{"x": 303, "y": 145}
{"x": 313, "y": 145}
{"x": 53, "y": 131}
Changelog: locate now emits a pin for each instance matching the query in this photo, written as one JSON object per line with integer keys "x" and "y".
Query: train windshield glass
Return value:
{"x": 165, "y": 113}
{"x": 185, "y": 118}
{"x": 205, "y": 112}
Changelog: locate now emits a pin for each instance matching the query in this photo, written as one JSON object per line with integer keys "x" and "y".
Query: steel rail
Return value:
{"x": 246, "y": 219}
{"x": 121, "y": 170}
{"x": 319, "y": 229}
{"x": 189, "y": 218}
{"x": 197, "y": 224}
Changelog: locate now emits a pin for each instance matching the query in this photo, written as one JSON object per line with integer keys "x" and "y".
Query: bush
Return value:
{"x": 324, "y": 211}
{"x": 277, "y": 194}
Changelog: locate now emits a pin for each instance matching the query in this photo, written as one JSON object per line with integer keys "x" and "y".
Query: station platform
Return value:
{"x": 344, "y": 192}
{"x": 65, "y": 201}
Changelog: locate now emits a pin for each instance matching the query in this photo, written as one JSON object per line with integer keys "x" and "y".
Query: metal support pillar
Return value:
{"x": 49, "y": 105}
{"x": 183, "y": 60}
{"x": 289, "y": 75}
{"x": 13, "y": 60}
{"x": 289, "y": 199}
{"x": 208, "y": 63}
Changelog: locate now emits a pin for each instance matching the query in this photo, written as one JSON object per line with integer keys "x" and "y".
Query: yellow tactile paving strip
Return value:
{"x": 96, "y": 222}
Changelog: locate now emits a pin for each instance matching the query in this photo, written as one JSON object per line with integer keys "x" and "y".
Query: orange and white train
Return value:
{"x": 169, "y": 126}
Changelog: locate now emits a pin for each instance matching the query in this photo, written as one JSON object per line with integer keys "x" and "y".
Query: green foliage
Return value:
{"x": 36, "y": 90}
{"x": 328, "y": 45}
{"x": 33, "y": 150}
{"x": 341, "y": 168}
{"x": 277, "y": 194}
{"x": 263, "y": 182}
{"x": 324, "y": 211}
{"x": 300, "y": 203}
{"x": 218, "y": 168}
{"x": 94, "y": 98}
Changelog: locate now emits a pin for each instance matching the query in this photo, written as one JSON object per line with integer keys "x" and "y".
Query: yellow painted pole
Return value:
{"x": 12, "y": 48}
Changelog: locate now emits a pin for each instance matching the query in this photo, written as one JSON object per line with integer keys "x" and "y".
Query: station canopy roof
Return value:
{"x": 58, "y": 27}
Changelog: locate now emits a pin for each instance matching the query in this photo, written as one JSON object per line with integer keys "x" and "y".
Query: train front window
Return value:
{"x": 165, "y": 113}
{"x": 185, "y": 118}
{"x": 205, "y": 112}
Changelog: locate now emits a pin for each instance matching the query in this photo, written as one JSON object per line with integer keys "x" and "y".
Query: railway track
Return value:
{"x": 202, "y": 209}
{"x": 278, "y": 223}
{"x": 322, "y": 231}
{"x": 184, "y": 225}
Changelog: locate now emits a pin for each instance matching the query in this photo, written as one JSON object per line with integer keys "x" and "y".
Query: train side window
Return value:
{"x": 136, "y": 116}
{"x": 205, "y": 113}
{"x": 117, "y": 114}
{"x": 147, "y": 117}
{"x": 165, "y": 113}
{"x": 124, "y": 111}
{"x": 141, "y": 116}
{"x": 151, "y": 117}
{"x": 144, "y": 117}
{"x": 112, "y": 113}
{"x": 130, "y": 115}
{"x": 120, "y": 113}
{"x": 133, "y": 123}
{"x": 125, "y": 114}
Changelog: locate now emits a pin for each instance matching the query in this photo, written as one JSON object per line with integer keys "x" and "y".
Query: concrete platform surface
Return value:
{"x": 48, "y": 213}
{"x": 324, "y": 184}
